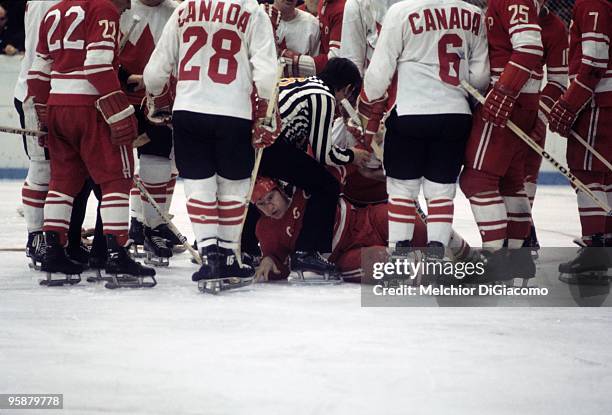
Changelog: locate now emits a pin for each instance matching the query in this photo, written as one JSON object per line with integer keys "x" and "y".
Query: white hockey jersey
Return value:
{"x": 361, "y": 24}
{"x": 152, "y": 18}
{"x": 220, "y": 48}
{"x": 301, "y": 34}
{"x": 433, "y": 45}
{"x": 35, "y": 12}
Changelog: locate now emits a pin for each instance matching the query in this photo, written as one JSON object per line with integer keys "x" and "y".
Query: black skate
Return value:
{"x": 156, "y": 247}
{"x": 35, "y": 249}
{"x": 79, "y": 253}
{"x": 97, "y": 263}
{"x": 520, "y": 265}
{"x": 55, "y": 261}
{"x": 174, "y": 242}
{"x": 532, "y": 242}
{"x": 124, "y": 271}
{"x": 230, "y": 274}
{"x": 403, "y": 251}
{"x": 313, "y": 262}
{"x": 495, "y": 268}
{"x": 136, "y": 234}
{"x": 590, "y": 265}
{"x": 436, "y": 261}
{"x": 210, "y": 264}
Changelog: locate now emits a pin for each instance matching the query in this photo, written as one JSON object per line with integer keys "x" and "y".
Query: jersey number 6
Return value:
{"x": 221, "y": 36}
{"x": 449, "y": 61}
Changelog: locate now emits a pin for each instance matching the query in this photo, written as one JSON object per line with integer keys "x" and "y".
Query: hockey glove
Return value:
{"x": 119, "y": 115}
{"x": 565, "y": 111}
{"x": 500, "y": 100}
{"x": 297, "y": 65}
{"x": 371, "y": 114}
{"x": 159, "y": 108}
{"x": 265, "y": 132}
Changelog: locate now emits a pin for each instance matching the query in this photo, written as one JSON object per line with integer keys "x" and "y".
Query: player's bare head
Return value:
{"x": 269, "y": 198}
{"x": 312, "y": 5}
{"x": 152, "y": 3}
{"x": 285, "y": 4}
{"x": 122, "y": 5}
{"x": 343, "y": 78}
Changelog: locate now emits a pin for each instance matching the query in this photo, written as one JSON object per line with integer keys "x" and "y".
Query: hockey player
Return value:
{"x": 220, "y": 48}
{"x": 297, "y": 36}
{"x": 432, "y": 46}
{"x": 155, "y": 166}
{"x": 586, "y": 107}
{"x": 330, "y": 24}
{"x": 554, "y": 40}
{"x": 307, "y": 107}
{"x": 493, "y": 176}
{"x": 353, "y": 230}
{"x": 91, "y": 125}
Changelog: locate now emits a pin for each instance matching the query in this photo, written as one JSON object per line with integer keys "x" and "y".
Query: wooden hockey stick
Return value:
{"x": 21, "y": 131}
{"x": 166, "y": 219}
{"x": 124, "y": 40}
{"x": 272, "y": 108}
{"x": 583, "y": 142}
{"x": 378, "y": 151}
{"x": 529, "y": 141}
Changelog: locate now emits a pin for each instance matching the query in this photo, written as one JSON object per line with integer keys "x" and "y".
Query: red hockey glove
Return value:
{"x": 265, "y": 135}
{"x": 565, "y": 111}
{"x": 119, "y": 115}
{"x": 501, "y": 98}
{"x": 159, "y": 108}
{"x": 371, "y": 114}
{"x": 41, "y": 115}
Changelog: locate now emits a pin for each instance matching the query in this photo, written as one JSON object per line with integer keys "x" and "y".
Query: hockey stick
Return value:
{"x": 272, "y": 108}
{"x": 21, "y": 131}
{"x": 124, "y": 40}
{"x": 174, "y": 229}
{"x": 583, "y": 142}
{"x": 378, "y": 151}
{"x": 529, "y": 141}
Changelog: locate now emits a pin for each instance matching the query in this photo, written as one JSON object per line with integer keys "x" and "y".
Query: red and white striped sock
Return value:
{"x": 33, "y": 198}
{"x": 114, "y": 210}
{"x": 203, "y": 209}
{"x": 440, "y": 220}
{"x": 592, "y": 217}
{"x": 489, "y": 211}
{"x": 519, "y": 218}
{"x": 402, "y": 216}
{"x": 232, "y": 207}
{"x": 58, "y": 208}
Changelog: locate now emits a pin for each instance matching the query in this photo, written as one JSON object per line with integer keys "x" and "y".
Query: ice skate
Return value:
{"x": 124, "y": 271}
{"x": 79, "y": 253}
{"x": 590, "y": 267}
{"x": 229, "y": 274}
{"x": 495, "y": 268}
{"x": 532, "y": 242}
{"x": 174, "y": 243}
{"x": 97, "y": 265}
{"x": 436, "y": 260}
{"x": 55, "y": 261}
{"x": 136, "y": 234}
{"x": 521, "y": 266}
{"x": 313, "y": 262}
{"x": 156, "y": 247}
{"x": 35, "y": 249}
{"x": 403, "y": 251}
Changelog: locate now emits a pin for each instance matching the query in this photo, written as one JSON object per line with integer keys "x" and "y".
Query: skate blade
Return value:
{"x": 327, "y": 279}
{"x": 156, "y": 261}
{"x": 599, "y": 278}
{"x": 60, "y": 282}
{"x": 130, "y": 281}
{"x": 98, "y": 277}
{"x": 215, "y": 286}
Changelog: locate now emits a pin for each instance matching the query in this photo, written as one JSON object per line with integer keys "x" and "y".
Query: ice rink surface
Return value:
{"x": 278, "y": 349}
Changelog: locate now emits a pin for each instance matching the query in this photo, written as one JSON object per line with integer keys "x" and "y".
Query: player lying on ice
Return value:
{"x": 354, "y": 228}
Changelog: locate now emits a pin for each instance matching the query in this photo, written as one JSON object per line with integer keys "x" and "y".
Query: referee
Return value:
{"x": 307, "y": 110}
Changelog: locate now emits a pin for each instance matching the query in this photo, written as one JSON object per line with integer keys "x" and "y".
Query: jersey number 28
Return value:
{"x": 227, "y": 54}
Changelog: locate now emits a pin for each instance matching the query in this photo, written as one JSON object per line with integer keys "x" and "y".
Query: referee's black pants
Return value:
{"x": 285, "y": 162}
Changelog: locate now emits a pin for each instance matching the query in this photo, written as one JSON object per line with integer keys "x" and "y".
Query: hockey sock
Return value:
{"x": 530, "y": 190}
{"x": 490, "y": 214}
{"x": 592, "y": 218}
{"x": 154, "y": 173}
{"x": 440, "y": 210}
{"x": 114, "y": 209}
{"x": 136, "y": 210}
{"x": 58, "y": 208}
{"x": 202, "y": 208}
{"x": 33, "y": 194}
{"x": 519, "y": 218}
{"x": 232, "y": 196}
{"x": 402, "y": 208}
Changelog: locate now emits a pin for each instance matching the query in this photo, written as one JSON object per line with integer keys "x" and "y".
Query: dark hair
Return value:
{"x": 340, "y": 72}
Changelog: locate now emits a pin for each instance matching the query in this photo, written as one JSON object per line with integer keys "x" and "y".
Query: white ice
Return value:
{"x": 274, "y": 349}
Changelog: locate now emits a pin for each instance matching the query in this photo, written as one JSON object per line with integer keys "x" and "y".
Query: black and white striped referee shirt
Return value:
{"x": 307, "y": 109}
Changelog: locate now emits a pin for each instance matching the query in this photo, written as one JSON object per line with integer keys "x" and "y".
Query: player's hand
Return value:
{"x": 539, "y": 131}
{"x": 119, "y": 115}
{"x": 158, "y": 108}
{"x": 267, "y": 265}
{"x": 356, "y": 131}
{"x": 371, "y": 114}
{"x": 561, "y": 118}
{"x": 135, "y": 82}
{"x": 498, "y": 105}
{"x": 361, "y": 156}
{"x": 292, "y": 63}
{"x": 41, "y": 115}
{"x": 265, "y": 134}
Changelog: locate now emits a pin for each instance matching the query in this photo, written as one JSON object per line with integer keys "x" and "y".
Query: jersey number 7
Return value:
{"x": 228, "y": 54}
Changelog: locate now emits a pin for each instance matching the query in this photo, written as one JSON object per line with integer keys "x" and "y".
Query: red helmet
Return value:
{"x": 263, "y": 186}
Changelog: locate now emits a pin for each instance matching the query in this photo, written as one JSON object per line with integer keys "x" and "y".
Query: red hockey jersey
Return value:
{"x": 75, "y": 59}
{"x": 555, "y": 41}
{"x": 330, "y": 22}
